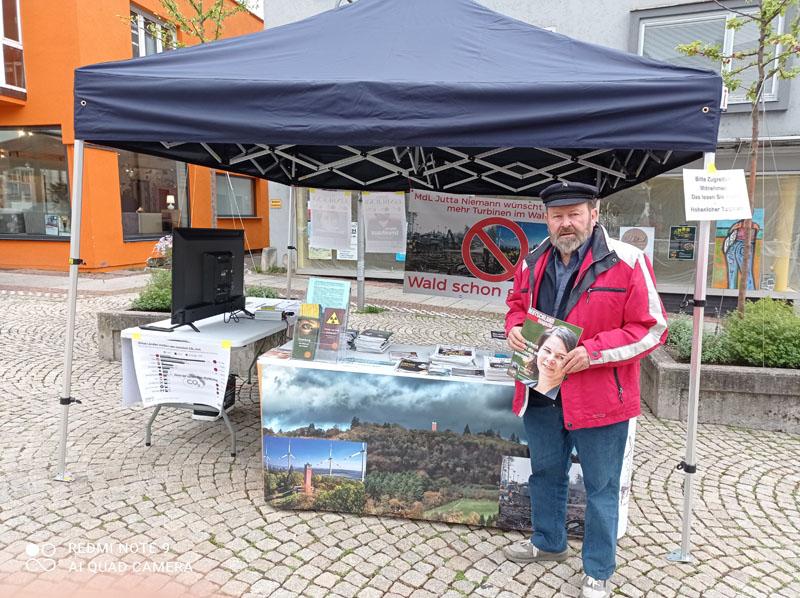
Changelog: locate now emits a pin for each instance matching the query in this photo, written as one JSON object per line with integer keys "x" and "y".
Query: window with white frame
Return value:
{"x": 11, "y": 34}
{"x": 149, "y": 35}
{"x": 659, "y": 38}
{"x": 235, "y": 196}
{"x": 34, "y": 188}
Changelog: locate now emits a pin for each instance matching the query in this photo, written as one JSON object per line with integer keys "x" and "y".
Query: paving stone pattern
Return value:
{"x": 182, "y": 518}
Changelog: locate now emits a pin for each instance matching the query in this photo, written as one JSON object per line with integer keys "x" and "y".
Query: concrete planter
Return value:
{"x": 761, "y": 398}
{"x": 111, "y": 323}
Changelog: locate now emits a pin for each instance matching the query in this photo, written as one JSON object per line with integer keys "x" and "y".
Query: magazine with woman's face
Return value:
{"x": 548, "y": 343}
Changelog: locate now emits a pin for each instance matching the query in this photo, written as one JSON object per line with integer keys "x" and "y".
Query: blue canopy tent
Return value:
{"x": 395, "y": 94}
{"x": 388, "y": 94}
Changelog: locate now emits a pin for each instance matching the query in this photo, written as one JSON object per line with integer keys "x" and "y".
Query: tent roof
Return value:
{"x": 387, "y": 94}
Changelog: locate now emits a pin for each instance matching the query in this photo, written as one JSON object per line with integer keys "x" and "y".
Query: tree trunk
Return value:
{"x": 755, "y": 116}
{"x": 744, "y": 273}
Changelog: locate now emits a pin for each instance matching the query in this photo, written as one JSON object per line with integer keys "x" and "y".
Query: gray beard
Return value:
{"x": 566, "y": 245}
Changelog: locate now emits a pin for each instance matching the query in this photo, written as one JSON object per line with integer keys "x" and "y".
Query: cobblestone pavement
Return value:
{"x": 184, "y": 518}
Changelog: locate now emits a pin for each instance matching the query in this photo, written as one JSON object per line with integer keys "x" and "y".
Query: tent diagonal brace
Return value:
{"x": 252, "y": 160}
{"x": 601, "y": 168}
{"x": 244, "y": 156}
{"x": 295, "y": 158}
{"x": 370, "y": 156}
{"x": 445, "y": 168}
{"x": 479, "y": 158}
{"x": 213, "y": 154}
{"x": 461, "y": 182}
{"x": 499, "y": 184}
{"x": 644, "y": 161}
{"x": 545, "y": 170}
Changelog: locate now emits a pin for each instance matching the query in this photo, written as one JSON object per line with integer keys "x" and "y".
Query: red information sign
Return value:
{"x": 479, "y": 230}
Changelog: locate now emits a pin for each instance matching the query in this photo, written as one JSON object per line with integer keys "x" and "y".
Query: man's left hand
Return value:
{"x": 577, "y": 360}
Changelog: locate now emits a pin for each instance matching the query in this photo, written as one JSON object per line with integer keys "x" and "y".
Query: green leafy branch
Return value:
{"x": 770, "y": 57}
{"x": 194, "y": 21}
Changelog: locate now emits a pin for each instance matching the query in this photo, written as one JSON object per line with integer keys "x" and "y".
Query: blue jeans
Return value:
{"x": 601, "y": 451}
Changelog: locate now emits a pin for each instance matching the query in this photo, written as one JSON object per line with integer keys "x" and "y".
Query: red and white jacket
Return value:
{"x": 615, "y": 301}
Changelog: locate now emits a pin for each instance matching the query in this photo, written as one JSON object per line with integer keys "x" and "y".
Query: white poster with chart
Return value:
{"x": 178, "y": 371}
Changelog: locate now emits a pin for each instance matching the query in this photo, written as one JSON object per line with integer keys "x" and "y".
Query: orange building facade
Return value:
{"x": 129, "y": 200}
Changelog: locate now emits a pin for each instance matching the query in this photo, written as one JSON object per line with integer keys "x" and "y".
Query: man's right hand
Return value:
{"x": 515, "y": 339}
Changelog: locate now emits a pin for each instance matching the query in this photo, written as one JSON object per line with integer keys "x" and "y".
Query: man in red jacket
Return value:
{"x": 606, "y": 287}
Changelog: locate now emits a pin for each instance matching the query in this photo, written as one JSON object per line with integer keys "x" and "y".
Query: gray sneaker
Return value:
{"x": 595, "y": 588}
{"x": 525, "y": 552}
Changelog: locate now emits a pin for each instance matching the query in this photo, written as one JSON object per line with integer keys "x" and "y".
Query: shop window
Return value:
{"x": 235, "y": 196}
{"x": 34, "y": 188}
{"x": 154, "y": 195}
{"x": 332, "y": 262}
{"x": 149, "y": 35}
{"x": 659, "y": 203}
{"x": 11, "y": 35}
{"x": 660, "y": 34}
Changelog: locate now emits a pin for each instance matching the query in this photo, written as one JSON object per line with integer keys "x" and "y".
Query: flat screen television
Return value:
{"x": 207, "y": 273}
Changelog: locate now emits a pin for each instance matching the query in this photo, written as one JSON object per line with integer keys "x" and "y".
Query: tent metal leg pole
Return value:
{"x": 72, "y": 299}
{"x": 290, "y": 246}
{"x": 688, "y": 465}
{"x": 361, "y": 252}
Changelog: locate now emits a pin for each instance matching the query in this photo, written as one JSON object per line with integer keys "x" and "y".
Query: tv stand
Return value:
{"x": 169, "y": 328}
{"x": 246, "y": 312}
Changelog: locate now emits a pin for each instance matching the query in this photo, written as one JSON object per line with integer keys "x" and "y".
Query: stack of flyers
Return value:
{"x": 453, "y": 355}
{"x": 496, "y": 368}
{"x": 278, "y": 353}
{"x": 349, "y": 338}
{"x": 277, "y": 311}
{"x": 403, "y": 354}
{"x": 467, "y": 372}
{"x": 412, "y": 365}
{"x": 373, "y": 341}
{"x": 268, "y": 312}
{"x": 438, "y": 370}
{"x": 367, "y": 360}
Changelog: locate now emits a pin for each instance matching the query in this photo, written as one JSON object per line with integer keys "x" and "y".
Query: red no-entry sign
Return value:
{"x": 479, "y": 230}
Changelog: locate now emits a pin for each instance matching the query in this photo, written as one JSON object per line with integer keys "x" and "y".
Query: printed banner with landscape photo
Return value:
{"x": 417, "y": 447}
{"x": 468, "y": 246}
